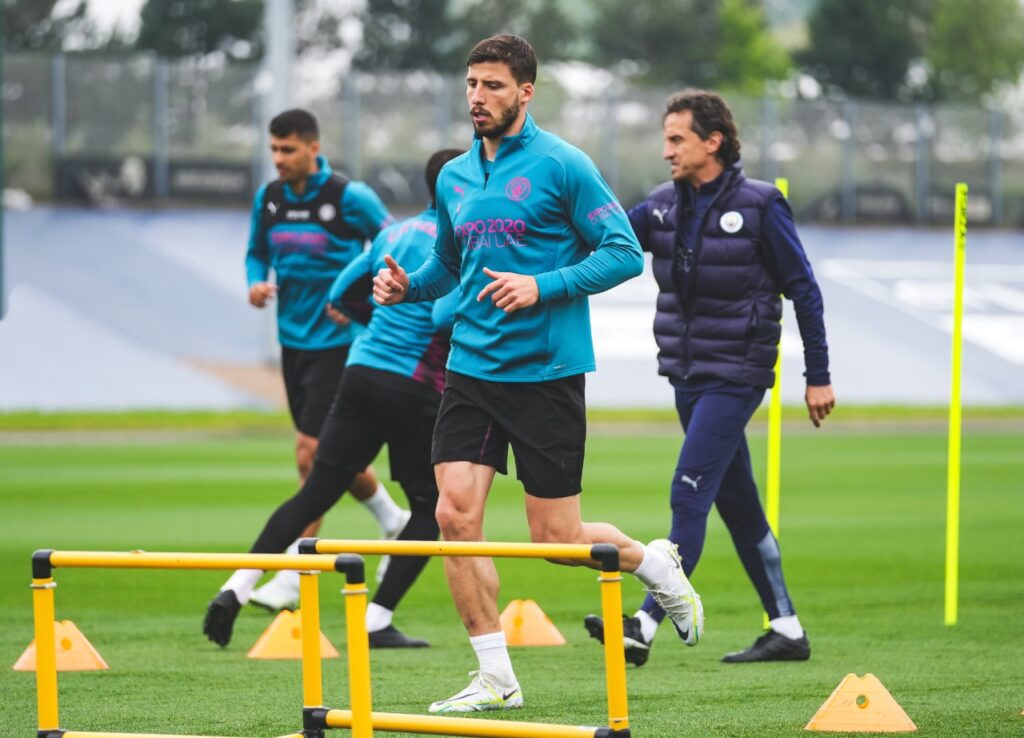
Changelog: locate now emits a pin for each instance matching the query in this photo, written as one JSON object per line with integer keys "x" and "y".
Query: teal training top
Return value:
{"x": 307, "y": 249}
{"x": 544, "y": 210}
{"x": 410, "y": 340}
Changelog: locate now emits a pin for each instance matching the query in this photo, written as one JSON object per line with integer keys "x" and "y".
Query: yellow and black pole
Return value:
{"x": 358, "y": 644}
{"x": 309, "y": 607}
{"x": 614, "y": 650}
{"x": 46, "y": 643}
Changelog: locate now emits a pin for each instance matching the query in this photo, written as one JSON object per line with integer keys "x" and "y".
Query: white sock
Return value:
{"x": 388, "y": 514}
{"x": 287, "y": 577}
{"x": 241, "y": 582}
{"x": 788, "y": 625}
{"x": 377, "y": 617}
{"x": 653, "y": 568}
{"x": 492, "y": 652}
{"x": 648, "y": 625}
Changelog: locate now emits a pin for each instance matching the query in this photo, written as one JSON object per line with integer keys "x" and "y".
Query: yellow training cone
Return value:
{"x": 74, "y": 652}
{"x": 525, "y": 624}
{"x": 861, "y": 705}
{"x": 283, "y": 640}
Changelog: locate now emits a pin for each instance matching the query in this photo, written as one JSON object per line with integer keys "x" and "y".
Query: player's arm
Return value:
{"x": 602, "y": 224}
{"x": 443, "y": 312}
{"x": 348, "y": 298}
{"x": 639, "y": 220}
{"x": 788, "y": 261}
{"x": 257, "y": 255}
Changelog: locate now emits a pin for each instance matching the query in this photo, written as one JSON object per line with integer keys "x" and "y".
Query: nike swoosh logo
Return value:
{"x": 506, "y": 696}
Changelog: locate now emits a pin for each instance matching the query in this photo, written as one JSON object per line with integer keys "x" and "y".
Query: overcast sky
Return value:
{"x": 108, "y": 12}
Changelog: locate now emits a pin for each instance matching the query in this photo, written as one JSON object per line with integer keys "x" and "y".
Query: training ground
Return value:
{"x": 863, "y": 508}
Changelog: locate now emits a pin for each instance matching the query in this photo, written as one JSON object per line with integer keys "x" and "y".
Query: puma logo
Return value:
{"x": 659, "y": 214}
{"x": 685, "y": 479}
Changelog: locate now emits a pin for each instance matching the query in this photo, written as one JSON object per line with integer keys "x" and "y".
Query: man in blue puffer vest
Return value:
{"x": 724, "y": 248}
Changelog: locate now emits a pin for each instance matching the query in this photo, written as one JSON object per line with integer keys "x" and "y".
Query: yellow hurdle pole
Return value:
{"x": 358, "y": 649}
{"x": 90, "y": 734}
{"x": 46, "y": 652}
{"x": 429, "y": 724}
{"x": 581, "y": 552}
{"x": 614, "y": 649}
{"x": 144, "y": 560}
{"x": 953, "y": 481}
{"x": 312, "y": 671}
{"x": 773, "y": 481}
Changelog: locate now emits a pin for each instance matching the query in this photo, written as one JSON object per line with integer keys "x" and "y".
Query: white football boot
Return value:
{"x": 481, "y": 694}
{"x": 676, "y": 595}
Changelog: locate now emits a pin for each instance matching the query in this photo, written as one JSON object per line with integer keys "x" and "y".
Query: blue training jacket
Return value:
{"x": 543, "y": 210}
{"x": 409, "y": 339}
{"x": 307, "y": 240}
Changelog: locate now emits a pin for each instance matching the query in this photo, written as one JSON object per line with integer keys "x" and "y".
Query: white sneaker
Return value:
{"x": 280, "y": 593}
{"x": 481, "y": 694}
{"x": 390, "y": 535}
{"x": 677, "y": 597}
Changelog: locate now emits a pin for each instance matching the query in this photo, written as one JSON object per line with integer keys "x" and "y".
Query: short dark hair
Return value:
{"x": 437, "y": 160}
{"x": 298, "y": 121}
{"x": 710, "y": 113}
{"x": 512, "y": 50}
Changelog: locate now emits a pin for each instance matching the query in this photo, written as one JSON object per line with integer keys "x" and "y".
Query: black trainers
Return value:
{"x": 772, "y": 646}
{"x": 637, "y": 649}
{"x": 220, "y": 617}
{"x": 392, "y": 637}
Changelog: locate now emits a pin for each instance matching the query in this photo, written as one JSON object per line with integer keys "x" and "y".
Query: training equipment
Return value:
{"x": 677, "y": 597}
{"x": 861, "y": 705}
{"x": 361, "y": 720}
{"x": 482, "y": 694}
{"x": 392, "y": 637}
{"x": 74, "y": 652}
{"x": 637, "y": 647}
{"x": 525, "y": 624}
{"x": 283, "y": 640}
{"x": 772, "y": 646}
{"x": 280, "y": 593}
{"x": 953, "y": 464}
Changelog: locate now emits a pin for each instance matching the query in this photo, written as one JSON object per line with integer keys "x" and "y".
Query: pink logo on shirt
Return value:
{"x": 518, "y": 189}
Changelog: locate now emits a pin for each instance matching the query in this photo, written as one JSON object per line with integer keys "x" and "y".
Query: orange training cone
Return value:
{"x": 861, "y": 705}
{"x": 283, "y": 640}
{"x": 525, "y": 624}
{"x": 74, "y": 652}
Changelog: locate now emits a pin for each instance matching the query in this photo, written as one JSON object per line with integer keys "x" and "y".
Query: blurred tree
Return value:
{"x": 438, "y": 34}
{"x": 176, "y": 28}
{"x": 972, "y": 47}
{"x": 32, "y": 25}
{"x": 704, "y": 43}
{"x": 865, "y": 47}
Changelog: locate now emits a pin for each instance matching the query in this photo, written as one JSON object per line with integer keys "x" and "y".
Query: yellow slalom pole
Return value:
{"x": 578, "y": 551}
{"x": 614, "y": 650}
{"x": 90, "y": 734}
{"x": 46, "y": 653}
{"x": 433, "y": 725}
{"x": 773, "y": 466}
{"x": 144, "y": 560}
{"x": 358, "y": 658}
{"x": 312, "y": 673}
{"x": 953, "y": 481}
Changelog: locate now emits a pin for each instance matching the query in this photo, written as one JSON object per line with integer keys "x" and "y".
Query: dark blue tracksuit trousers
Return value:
{"x": 714, "y": 468}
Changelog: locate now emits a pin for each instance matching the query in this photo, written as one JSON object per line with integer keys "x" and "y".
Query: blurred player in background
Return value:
{"x": 307, "y": 225}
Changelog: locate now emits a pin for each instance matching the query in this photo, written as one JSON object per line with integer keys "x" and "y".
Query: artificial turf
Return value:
{"x": 863, "y": 533}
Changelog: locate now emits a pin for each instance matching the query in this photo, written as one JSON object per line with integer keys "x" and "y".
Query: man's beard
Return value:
{"x": 500, "y": 127}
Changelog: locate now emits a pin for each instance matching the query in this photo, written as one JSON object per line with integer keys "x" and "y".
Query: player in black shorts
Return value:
{"x": 308, "y": 225}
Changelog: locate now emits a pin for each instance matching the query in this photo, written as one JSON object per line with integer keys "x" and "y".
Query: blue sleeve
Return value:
{"x": 639, "y": 219}
{"x": 257, "y": 255}
{"x": 352, "y": 288}
{"x": 789, "y": 263}
{"x": 439, "y": 274}
{"x": 602, "y": 224}
{"x": 444, "y": 311}
{"x": 364, "y": 210}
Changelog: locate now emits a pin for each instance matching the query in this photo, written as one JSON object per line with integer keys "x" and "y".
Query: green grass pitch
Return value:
{"x": 863, "y": 526}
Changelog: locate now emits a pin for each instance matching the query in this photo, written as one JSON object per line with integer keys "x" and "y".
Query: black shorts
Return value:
{"x": 311, "y": 380}
{"x": 544, "y": 422}
{"x": 374, "y": 408}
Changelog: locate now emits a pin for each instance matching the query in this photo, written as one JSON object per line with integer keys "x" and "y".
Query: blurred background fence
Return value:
{"x": 138, "y": 129}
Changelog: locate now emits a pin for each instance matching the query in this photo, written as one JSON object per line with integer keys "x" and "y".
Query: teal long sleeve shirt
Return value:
{"x": 544, "y": 210}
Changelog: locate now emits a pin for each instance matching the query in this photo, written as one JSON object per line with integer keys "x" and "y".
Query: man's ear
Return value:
{"x": 714, "y": 142}
{"x": 525, "y": 92}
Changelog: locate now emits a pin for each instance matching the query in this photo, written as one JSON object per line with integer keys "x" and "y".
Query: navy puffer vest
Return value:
{"x": 718, "y": 308}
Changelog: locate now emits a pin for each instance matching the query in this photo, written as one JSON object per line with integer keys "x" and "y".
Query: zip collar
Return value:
{"x": 508, "y": 144}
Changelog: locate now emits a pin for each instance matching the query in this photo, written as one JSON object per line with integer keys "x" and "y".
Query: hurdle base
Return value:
{"x": 52, "y": 733}
{"x": 403, "y": 723}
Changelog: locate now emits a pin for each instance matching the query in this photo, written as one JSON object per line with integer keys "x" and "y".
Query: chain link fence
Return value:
{"x": 142, "y": 130}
